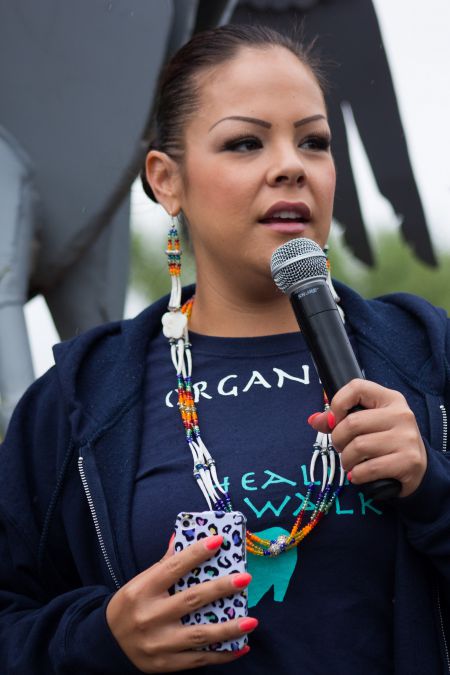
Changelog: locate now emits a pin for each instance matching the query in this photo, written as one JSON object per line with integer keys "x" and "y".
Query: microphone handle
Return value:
{"x": 333, "y": 356}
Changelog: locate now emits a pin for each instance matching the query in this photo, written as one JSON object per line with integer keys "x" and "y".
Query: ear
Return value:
{"x": 163, "y": 174}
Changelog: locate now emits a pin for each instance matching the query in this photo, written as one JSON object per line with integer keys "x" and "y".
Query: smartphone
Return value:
{"x": 230, "y": 558}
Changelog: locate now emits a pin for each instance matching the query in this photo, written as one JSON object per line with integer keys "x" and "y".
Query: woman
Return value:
{"x": 242, "y": 154}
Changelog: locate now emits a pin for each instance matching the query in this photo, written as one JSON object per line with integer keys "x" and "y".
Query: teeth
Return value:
{"x": 285, "y": 214}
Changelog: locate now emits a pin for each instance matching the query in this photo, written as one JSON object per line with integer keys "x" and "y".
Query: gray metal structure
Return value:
{"x": 77, "y": 81}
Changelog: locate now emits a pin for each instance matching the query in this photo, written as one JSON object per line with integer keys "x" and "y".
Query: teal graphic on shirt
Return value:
{"x": 267, "y": 571}
{"x": 272, "y": 575}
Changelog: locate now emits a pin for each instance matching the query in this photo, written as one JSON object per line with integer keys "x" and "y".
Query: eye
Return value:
{"x": 316, "y": 142}
{"x": 243, "y": 144}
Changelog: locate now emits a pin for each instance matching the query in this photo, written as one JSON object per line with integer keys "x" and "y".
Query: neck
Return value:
{"x": 227, "y": 312}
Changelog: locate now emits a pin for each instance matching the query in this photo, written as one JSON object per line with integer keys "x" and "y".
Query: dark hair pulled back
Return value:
{"x": 177, "y": 97}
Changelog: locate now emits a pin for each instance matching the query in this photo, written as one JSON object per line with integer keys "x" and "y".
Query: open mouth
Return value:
{"x": 284, "y": 218}
{"x": 287, "y": 214}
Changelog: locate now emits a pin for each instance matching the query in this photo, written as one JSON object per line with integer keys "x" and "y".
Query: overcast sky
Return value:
{"x": 416, "y": 37}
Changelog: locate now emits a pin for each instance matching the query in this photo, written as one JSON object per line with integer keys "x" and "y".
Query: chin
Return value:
{"x": 318, "y": 238}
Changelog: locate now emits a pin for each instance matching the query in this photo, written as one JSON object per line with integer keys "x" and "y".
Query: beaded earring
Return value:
{"x": 175, "y": 328}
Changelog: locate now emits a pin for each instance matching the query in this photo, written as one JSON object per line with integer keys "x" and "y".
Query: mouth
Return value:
{"x": 287, "y": 217}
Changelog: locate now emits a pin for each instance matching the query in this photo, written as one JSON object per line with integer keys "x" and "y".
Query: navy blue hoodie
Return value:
{"x": 69, "y": 461}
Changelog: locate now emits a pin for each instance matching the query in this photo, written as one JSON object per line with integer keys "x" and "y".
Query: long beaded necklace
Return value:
{"x": 175, "y": 328}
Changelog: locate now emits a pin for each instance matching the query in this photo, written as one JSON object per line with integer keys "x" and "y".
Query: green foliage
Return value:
{"x": 396, "y": 270}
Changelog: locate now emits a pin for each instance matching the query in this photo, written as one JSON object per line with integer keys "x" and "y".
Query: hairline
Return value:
{"x": 198, "y": 79}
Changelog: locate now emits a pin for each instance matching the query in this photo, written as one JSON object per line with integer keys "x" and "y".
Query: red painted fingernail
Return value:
{"x": 171, "y": 539}
{"x": 248, "y": 624}
{"x": 241, "y": 580}
{"x": 241, "y": 652}
{"x": 331, "y": 419}
{"x": 211, "y": 543}
{"x": 349, "y": 476}
{"x": 313, "y": 417}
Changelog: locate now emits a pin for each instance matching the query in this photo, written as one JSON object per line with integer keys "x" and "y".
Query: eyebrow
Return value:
{"x": 267, "y": 125}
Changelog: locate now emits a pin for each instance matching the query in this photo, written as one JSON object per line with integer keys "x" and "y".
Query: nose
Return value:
{"x": 287, "y": 169}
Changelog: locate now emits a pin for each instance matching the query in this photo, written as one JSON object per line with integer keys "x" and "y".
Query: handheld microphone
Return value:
{"x": 299, "y": 269}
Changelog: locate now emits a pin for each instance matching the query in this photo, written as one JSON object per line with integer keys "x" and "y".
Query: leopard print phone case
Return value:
{"x": 230, "y": 558}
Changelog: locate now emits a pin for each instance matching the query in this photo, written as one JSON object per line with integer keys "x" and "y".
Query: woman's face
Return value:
{"x": 258, "y": 170}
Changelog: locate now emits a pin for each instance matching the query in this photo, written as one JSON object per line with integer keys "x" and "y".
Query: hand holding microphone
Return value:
{"x": 379, "y": 441}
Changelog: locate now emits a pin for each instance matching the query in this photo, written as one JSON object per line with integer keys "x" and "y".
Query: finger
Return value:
{"x": 362, "y": 393}
{"x": 375, "y": 469}
{"x": 202, "y": 635}
{"x": 170, "y": 569}
{"x": 363, "y": 448}
{"x": 161, "y": 576}
{"x": 362, "y": 424}
{"x": 202, "y": 594}
{"x": 369, "y": 433}
{"x": 407, "y": 463}
{"x": 171, "y": 663}
{"x": 319, "y": 422}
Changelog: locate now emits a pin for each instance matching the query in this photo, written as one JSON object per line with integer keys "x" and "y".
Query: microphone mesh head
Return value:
{"x": 295, "y": 261}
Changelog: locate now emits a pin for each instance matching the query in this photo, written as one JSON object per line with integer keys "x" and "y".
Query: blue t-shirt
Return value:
{"x": 324, "y": 607}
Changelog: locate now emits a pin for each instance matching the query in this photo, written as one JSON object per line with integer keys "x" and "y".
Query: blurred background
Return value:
{"x": 415, "y": 38}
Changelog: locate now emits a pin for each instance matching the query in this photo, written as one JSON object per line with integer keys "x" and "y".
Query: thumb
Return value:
{"x": 320, "y": 422}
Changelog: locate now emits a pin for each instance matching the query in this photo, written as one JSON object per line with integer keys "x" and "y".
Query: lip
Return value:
{"x": 303, "y": 210}
{"x": 287, "y": 228}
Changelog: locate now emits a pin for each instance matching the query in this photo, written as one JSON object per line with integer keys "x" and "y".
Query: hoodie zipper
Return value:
{"x": 96, "y": 522}
{"x": 441, "y": 619}
{"x": 444, "y": 427}
{"x": 441, "y": 622}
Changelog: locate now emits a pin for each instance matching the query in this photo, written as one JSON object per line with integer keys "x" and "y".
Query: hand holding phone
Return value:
{"x": 230, "y": 558}
{"x": 146, "y": 622}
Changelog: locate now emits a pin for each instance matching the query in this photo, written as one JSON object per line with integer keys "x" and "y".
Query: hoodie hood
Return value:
{"x": 101, "y": 372}
{"x": 405, "y": 330}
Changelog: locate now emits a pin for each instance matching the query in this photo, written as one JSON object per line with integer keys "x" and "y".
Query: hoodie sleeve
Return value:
{"x": 426, "y": 517}
{"x": 426, "y": 513}
{"x": 49, "y": 623}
